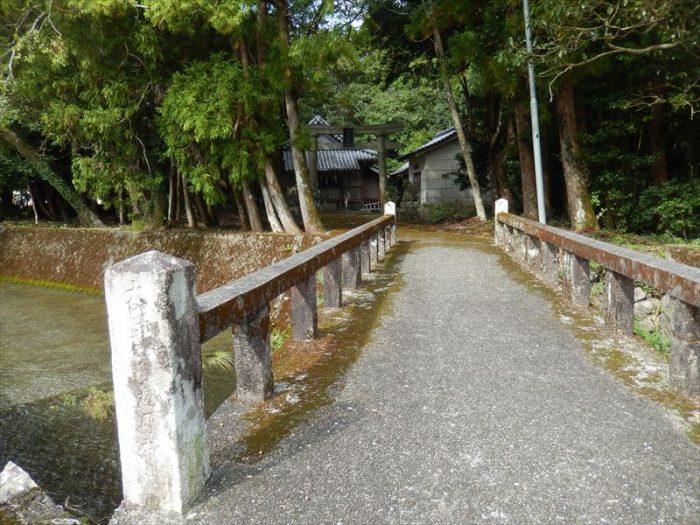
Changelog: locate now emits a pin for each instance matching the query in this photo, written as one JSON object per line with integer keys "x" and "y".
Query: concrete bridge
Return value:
{"x": 473, "y": 403}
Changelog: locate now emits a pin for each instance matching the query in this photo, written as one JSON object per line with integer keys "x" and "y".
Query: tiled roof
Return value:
{"x": 439, "y": 138}
{"x": 335, "y": 160}
{"x": 401, "y": 169}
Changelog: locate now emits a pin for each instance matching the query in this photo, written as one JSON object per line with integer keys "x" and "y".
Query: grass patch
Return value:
{"x": 658, "y": 339}
{"x": 279, "y": 336}
{"x": 98, "y": 404}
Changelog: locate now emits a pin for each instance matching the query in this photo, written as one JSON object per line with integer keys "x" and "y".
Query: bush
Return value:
{"x": 673, "y": 207}
{"x": 445, "y": 212}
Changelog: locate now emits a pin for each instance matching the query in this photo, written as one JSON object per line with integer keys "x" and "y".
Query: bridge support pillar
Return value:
{"x": 365, "y": 256}
{"x": 304, "y": 316}
{"x": 157, "y": 373}
{"x": 381, "y": 243}
{"x": 577, "y": 281}
{"x": 685, "y": 347}
{"x": 332, "y": 285}
{"x": 374, "y": 250}
{"x": 252, "y": 357}
{"x": 619, "y": 305}
{"x": 351, "y": 268}
{"x": 533, "y": 251}
{"x": 550, "y": 264}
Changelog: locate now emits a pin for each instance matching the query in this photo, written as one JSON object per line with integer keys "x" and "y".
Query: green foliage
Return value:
{"x": 446, "y": 212}
{"x": 279, "y": 336}
{"x": 673, "y": 207}
{"x": 658, "y": 339}
{"x": 220, "y": 359}
{"x": 210, "y": 126}
{"x": 98, "y": 404}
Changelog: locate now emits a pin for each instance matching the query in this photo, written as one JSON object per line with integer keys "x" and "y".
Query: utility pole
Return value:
{"x": 534, "y": 116}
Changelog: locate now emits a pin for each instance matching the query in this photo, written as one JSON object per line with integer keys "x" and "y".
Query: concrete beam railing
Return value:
{"x": 157, "y": 323}
{"x": 559, "y": 255}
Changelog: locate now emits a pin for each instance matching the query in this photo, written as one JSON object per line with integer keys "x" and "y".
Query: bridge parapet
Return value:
{"x": 560, "y": 257}
{"x": 157, "y": 323}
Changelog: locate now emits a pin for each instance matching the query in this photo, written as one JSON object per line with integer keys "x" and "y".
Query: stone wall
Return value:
{"x": 79, "y": 256}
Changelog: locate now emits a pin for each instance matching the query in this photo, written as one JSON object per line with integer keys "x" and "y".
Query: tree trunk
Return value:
{"x": 278, "y": 200}
{"x": 240, "y": 207}
{"x": 186, "y": 202}
{"x": 496, "y": 158}
{"x": 527, "y": 162}
{"x": 36, "y": 213}
{"x": 657, "y": 125}
{"x": 86, "y": 216}
{"x": 309, "y": 213}
{"x": 251, "y": 208}
{"x": 270, "y": 210}
{"x": 579, "y": 202}
{"x": 178, "y": 195}
{"x": 202, "y": 210}
{"x": 464, "y": 145}
{"x": 171, "y": 194}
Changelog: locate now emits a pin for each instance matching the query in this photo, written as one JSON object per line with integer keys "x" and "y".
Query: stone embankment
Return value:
{"x": 79, "y": 256}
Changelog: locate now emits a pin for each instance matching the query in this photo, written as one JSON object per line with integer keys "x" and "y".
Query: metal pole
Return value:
{"x": 534, "y": 116}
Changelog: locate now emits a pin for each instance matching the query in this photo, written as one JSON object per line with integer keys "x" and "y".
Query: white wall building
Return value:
{"x": 432, "y": 167}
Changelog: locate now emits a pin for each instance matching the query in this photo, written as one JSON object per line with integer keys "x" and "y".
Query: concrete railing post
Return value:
{"x": 390, "y": 209}
{"x": 381, "y": 243}
{"x": 351, "y": 268}
{"x": 619, "y": 302}
{"x": 304, "y": 316}
{"x": 332, "y": 284}
{"x": 501, "y": 206}
{"x": 534, "y": 252}
{"x": 157, "y": 373}
{"x": 577, "y": 281}
{"x": 550, "y": 264}
{"x": 685, "y": 347}
{"x": 365, "y": 256}
{"x": 252, "y": 357}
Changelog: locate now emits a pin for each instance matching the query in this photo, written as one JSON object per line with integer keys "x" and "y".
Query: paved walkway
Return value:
{"x": 472, "y": 404}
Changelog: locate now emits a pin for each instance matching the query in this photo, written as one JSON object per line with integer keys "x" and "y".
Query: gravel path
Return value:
{"x": 472, "y": 404}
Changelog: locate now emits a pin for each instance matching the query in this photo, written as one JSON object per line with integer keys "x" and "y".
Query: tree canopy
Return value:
{"x": 123, "y": 111}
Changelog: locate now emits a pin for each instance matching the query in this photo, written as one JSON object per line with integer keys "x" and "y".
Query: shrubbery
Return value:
{"x": 445, "y": 212}
{"x": 673, "y": 207}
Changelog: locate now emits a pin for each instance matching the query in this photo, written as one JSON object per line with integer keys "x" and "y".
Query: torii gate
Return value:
{"x": 380, "y": 131}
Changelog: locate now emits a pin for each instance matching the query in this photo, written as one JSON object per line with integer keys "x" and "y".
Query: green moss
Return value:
{"x": 67, "y": 287}
{"x": 313, "y": 368}
{"x": 596, "y": 344}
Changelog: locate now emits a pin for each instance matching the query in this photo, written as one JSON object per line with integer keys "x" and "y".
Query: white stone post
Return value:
{"x": 390, "y": 209}
{"x": 501, "y": 206}
{"x": 157, "y": 374}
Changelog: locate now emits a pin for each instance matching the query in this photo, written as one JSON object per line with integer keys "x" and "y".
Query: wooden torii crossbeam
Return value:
{"x": 380, "y": 131}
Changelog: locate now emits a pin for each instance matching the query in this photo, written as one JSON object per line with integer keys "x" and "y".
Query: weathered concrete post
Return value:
{"x": 304, "y": 316}
{"x": 351, "y": 268}
{"x": 374, "y": 249}
{"x": 390, "y": 209}
{"x": 157, "y": 373}
{"x": 381, "y": 243}
{"x": 533, "y": 252}
{"x": 501, "y": 206}
{"x": 365, "y": 256}
{"x": 550, "y": 264}
{"x": 685, "y": 347}
{"x": 252, "y": 357}
{"x": 332, "y": 285}
{"x": 521, "y": 245}
{"x": 619, "y": 303}
{"x": 577, "y": 281}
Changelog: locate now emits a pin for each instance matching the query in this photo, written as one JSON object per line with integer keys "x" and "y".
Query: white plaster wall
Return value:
{"x": 436, "y": 185}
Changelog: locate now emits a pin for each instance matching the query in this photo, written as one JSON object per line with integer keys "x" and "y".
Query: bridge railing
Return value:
{"x": 562, "y": 257}
{"x": 157, "y": 323}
